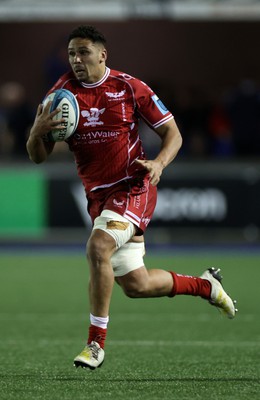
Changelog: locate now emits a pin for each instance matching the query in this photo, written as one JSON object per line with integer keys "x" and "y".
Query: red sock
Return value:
{"x": 97, "y": 334}
{"x": 190, "y": 285}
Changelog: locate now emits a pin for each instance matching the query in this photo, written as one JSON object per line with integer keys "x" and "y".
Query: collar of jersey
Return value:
{"x": 98, "y": 83}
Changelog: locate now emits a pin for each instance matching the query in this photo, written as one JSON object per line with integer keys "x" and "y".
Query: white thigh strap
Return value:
{"x": 128, "y": 258}
{"x": 116, "y": 226}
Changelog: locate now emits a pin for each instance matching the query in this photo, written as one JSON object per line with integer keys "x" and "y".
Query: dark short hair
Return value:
{"x": 87, "y": 32}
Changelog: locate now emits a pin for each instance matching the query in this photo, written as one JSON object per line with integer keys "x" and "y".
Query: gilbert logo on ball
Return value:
{"x": 67, "y": 102}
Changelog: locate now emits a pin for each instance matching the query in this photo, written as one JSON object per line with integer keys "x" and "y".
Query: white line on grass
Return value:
{"x": 176, "y": 343}
{"x": 200, "y": 317}
{"x": 41, "y": 342}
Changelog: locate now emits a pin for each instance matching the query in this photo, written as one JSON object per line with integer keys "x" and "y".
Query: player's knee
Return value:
{"x": 100, "y": 248}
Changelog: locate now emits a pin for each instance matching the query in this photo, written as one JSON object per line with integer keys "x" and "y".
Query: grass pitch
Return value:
{"x": 179, "y": 348}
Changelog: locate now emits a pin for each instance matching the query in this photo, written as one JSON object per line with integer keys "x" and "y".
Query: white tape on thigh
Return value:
{"x": 128, "y": 258}
{"x": 116, "y": 226}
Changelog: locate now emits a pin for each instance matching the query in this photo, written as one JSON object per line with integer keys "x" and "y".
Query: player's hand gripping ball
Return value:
{"x": 67, "y": 102}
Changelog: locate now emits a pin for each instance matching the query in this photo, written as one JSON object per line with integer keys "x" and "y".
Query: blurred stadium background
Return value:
{"x": 202, "y": 59}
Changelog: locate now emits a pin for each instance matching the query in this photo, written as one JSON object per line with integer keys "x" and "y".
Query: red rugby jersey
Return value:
{"x": 106, "y": 142}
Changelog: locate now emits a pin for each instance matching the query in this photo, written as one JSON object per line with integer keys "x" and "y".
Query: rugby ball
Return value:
{"x": 67, "y": 102}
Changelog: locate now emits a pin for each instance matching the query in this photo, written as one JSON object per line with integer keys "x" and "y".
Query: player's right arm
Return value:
{"x": 38, "y": 148}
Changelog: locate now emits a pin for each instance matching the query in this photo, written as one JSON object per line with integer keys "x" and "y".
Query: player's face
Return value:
{"x": 87, "y": 59}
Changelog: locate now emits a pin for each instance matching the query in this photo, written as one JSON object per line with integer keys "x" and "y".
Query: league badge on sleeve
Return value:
{"x": 159, "y": 104}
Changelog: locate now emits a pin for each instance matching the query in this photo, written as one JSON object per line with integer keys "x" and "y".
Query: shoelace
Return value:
{"x": 94, "y": 349}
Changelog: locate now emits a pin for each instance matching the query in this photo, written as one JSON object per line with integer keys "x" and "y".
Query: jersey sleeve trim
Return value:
{"x": 163, "y": 121}
{"x": 158, "y": 123}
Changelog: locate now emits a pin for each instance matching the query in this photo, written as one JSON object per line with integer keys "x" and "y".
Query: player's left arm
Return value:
{"x": 171, "y": 143}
